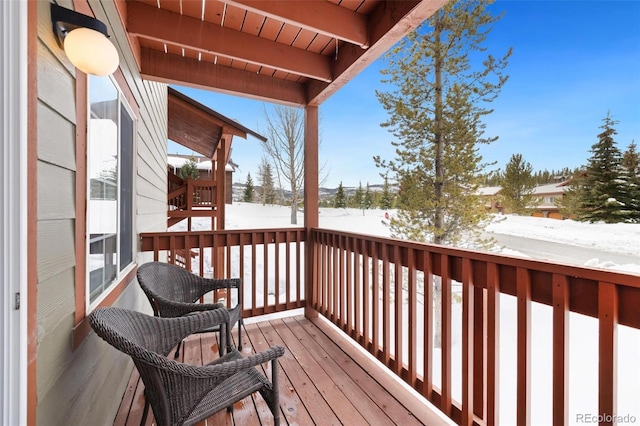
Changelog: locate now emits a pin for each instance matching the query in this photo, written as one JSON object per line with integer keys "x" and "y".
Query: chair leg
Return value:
{"x": 177, "y": 354}
{"x": 146, "y": 410}
{"x": 240, "y": 334}
{"x": 276, "y": 393}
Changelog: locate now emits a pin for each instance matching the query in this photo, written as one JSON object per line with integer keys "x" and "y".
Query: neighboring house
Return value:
{"x": 492, "y": 197}
{"x": 549, "y": 196}
{"x": 205, "y": 165}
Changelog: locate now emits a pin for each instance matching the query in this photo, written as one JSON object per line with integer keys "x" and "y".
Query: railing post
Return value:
{"x": 608, "y": 351}
{"x": 311, "y": 192}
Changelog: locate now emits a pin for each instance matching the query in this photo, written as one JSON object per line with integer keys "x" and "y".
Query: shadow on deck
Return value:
{"x": 324, "y": 380}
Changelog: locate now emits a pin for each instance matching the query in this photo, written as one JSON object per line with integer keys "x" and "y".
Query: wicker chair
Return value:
{"x": 173, "y": 292}
{"x": 183, "y": 394}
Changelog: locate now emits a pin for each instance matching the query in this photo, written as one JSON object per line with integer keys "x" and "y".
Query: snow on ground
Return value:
{"x": 614, "y": 237}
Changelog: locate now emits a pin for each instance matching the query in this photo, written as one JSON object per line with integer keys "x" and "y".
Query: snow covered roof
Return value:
{"x": 489, "y": 190}
{"x": 551, "y": 188}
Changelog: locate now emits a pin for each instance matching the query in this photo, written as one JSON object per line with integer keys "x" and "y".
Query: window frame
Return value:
{"x": 82, "y": 327}
{"x": 121, "y": 271}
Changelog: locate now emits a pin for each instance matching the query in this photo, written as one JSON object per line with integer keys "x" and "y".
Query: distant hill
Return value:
{"x": 324, "y": 193}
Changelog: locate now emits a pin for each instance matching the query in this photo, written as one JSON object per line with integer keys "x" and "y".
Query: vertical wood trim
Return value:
{"x": 523, "y": 407}
{"x": 276, "y": 267}
{"x": 287, "y": 266}
{"x": 493, "y": 344}
{"x": 254, "y": 283}
{"x": 342, "y": 311}
{"x": 32, "y": 212}
{"x": 607, "y": 349}
{"x": 81, "y": 197}
{"x": 445, "y": 405}
{"x": 480, "y": 351}
{"x": 311, "y": 194}
{"x": 265, "y": 271}
{"x": 467, "y": 343}
{"x": 560, "y": 295}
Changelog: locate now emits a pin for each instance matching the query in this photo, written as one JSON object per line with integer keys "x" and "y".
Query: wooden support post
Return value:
{"x": 311, "y": 193}
{"x": 608, "y": 351}
{"x": 560, "y": 350}
{"x": 524, "y": 347}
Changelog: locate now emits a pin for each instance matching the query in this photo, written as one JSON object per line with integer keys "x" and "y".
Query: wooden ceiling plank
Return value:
{"x": 149, "y": 22}
{"x": 318, "y": 16}
{"x": 389, "y": 22}
{"x": 174, "y": 69}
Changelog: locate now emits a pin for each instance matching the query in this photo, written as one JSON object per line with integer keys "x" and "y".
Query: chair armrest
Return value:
{"x": 174, "y": 330}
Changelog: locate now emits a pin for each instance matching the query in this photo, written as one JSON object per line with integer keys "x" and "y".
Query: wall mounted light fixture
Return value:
{"x": 84, "y": 40}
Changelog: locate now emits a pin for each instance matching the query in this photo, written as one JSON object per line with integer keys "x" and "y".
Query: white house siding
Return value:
{"x": 84, "y": 386}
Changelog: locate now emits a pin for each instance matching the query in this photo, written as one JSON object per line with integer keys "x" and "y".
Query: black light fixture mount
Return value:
{"x": 85, "y": 40}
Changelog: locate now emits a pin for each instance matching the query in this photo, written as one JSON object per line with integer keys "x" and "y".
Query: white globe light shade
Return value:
{"x": 91, "y": 52}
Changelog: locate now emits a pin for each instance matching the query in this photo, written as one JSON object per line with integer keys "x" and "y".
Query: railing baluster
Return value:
{"x": 386, "y": 304}
{"x": 357, "y": 268}
{"x": 560, "y": 349}
{"x": 287, "y": 269}
{"x": 427, "y": 368}
{"x": 265, "y": 271}
{"x": 445, "y": 401}
{"x": 467, "y": 342}
{"x": 413, "y": 316}
{"x": 607, "y": 350}
{"x": 342, "y": 311}
{"x": 349, "y": 273}
{"x": 366, "y": 292}
{"x": 254, "y": 303}
{"x": 241, "y": 268}
{"x": 276, "y": 285}
{"x": 523, "y": 398}
{"x": 333, "y": 289}
{"x": 397, "y": 322}
{"x": 375, "y": 299}
{"x": 493, "y": 344}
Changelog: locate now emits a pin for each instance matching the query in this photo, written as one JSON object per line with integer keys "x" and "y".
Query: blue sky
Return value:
{"x": 572, "y": 62}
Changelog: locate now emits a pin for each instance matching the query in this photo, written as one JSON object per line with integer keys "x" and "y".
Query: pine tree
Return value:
{"x": 602, "y": 193}
{"x": 438, "y": 99}
{"x": 247, "y": 196}
{"x": 358, "y": 197}
{"x": 631, "y": 171}
{"x": 386, "y": 200}
{"x": 368, "y": 198}
{"x": 268, "y": 193}
{"x": 340, "y": 200}
{"x": 518, "y": 184}
{"x": 189, "y": 170}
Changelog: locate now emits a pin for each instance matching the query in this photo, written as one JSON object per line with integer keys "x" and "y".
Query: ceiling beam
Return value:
{"x": 388, "y": 24}
{"x": 175, "y": 69}
{"x": 318, "y": 16}
{"x": 168, "y": 27}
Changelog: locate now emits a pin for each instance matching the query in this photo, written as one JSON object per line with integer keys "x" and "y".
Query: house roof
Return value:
{"x": 551, "y": 188}
{"x": 295, "y": 52}
{"x": 489, "y": 190}
{"x": 198, "y": 127}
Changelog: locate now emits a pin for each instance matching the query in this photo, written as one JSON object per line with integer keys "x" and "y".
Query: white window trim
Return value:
{"x": 13, "y": 233}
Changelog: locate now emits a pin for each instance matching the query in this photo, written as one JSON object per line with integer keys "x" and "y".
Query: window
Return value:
{"x": 110, "y": 153}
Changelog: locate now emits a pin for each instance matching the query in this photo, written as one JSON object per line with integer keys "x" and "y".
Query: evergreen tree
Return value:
{"x": 340, "y": 200}
{"x": 602, "y": 192}
{"x": 386, "y": 199}
{"x": 189, "y": 170}
{"x": 569, "y": 205}
{"x": 266, "y": 182}
{"x": 247, "y": 195}
{"x": 438, "y": 99}
{"x": 368, "y": 198}
{"x": 358, "y": 197}
{"x": 518, "y": 184}
{"x": 631, "y": 171}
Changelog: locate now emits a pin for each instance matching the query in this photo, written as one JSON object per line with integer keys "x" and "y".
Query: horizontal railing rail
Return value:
{"x": 270, "y": 262}
{"x": 387, "y": 295}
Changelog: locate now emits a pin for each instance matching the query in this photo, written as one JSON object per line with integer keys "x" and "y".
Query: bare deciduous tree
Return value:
{"x": 285, "y": 146}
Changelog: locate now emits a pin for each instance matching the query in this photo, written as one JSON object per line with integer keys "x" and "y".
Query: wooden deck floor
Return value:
{"x": 323, "y": 381}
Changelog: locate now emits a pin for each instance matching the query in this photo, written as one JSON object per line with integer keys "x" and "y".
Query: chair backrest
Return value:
{"x": 147, "y": 340}
{"x": 168, "y": 282}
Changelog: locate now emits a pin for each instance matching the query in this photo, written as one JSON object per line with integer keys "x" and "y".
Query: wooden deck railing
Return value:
{"x": 382, "y": 293}
{"x": 271, "y": 261}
